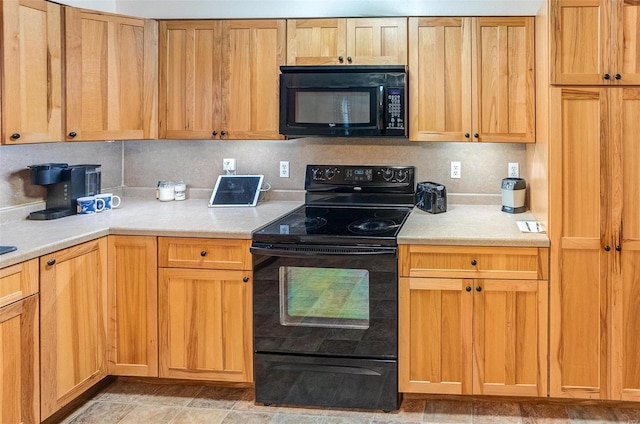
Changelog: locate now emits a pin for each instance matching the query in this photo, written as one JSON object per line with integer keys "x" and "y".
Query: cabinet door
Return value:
{"x": 32, "y": 71}
{"x": 580, "y": 47}
{"x": 510, "y": 337}
{"x": 503, "y": 99}
{"x": 252, "y": 52}
{"x": 440, "y": 79}
{"x": 112, "y": 79}
{"x": 206, "y": 324}
{"x": 73, "y": 296}
{"x": 624, "y": 41}
{"x": 581, "y": 242}
{"x": 190, "y": 79}
{"x": 19, "y": 356}
{"x": 626, "y": 204}
{"x": 377, "y": 41}
{"x": 133, "y": 306}
{"x": 434, "y": 349}
{"x": 316, "y": 41}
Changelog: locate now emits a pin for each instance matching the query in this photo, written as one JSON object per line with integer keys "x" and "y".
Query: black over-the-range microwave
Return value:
{"x": 343, "y": 101}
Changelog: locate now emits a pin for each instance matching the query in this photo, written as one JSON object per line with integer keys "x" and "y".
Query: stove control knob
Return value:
{"x": 329, "y": 173}
{"x": 387, "y": 174}
{"x": 316, "y": 173}
{"x": 401, "y": 175}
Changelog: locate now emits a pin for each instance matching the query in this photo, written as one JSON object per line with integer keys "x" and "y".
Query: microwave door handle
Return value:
{"x": 381, "y": 107}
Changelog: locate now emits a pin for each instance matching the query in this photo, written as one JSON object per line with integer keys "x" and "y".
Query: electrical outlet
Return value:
{"x": 514, "y": 169}
{"x": 456, "y": 169}
{"x": 229, "y": 165}
{"x": 284, "y": 168}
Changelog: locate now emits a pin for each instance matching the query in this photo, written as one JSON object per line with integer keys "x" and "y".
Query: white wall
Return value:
{"x": 309, "y": 8}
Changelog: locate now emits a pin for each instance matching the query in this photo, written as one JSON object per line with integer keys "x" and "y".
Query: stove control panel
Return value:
{"x": 324, "y": 176}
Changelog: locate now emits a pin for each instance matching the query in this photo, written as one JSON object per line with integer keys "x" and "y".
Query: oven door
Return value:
{"x": 326, "y": 301}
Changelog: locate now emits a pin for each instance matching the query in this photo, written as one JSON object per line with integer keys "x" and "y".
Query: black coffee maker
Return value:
{"x": 65, "y": 184}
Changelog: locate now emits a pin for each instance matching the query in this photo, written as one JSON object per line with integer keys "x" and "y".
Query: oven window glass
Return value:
{"x": 333, "y": 107}
{"x": 324, "y": 297}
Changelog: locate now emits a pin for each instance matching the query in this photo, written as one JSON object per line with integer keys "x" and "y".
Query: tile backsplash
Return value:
{"x": 199, "y": 162}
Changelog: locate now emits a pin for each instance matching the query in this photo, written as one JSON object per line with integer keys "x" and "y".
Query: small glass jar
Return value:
{"x": 180, "y": 189}
{"x": 165, "y": 191}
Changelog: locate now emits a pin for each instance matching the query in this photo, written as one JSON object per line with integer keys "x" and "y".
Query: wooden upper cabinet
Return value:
{"x": 471, "y": 79}
{"x": 111, "y": 76}
{"x": 252, "y": 53}
{"x": 220, "y": 79}
{"x": 356, "y": 41}
{"x": 594, "y": 42}
{"x": 504, "y": 89}
{"x": 190, "y": 79}
{"x": 32, "y": 71}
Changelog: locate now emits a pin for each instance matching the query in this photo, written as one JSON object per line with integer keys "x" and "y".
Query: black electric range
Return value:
{"x": 347, "y": 205}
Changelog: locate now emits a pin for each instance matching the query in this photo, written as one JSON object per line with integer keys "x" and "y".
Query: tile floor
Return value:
{"x": 127, "y": 401}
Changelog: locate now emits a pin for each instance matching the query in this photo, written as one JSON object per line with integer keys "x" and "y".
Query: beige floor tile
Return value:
{"x": 496, "y": 413}
{"x": 448, "y": 411}
{"x": 220, "y": 397}
{"x": 239, "y": 417}
{"x": 291, "y": 418}
{"x": 103, "y": 413}
{"x": 199, "y": 416}
{"x": 127, "y": 392}
{"x": 151, "y": 414}
{"x": 346, "y": 420}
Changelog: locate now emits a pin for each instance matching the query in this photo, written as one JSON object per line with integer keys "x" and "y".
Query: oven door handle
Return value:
{"x": 300, "y": 251}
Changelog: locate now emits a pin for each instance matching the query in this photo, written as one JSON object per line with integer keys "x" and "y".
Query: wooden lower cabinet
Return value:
{"x": 471, "y": 335}
{"x": 133, "y": 306}
{"x": 20, "y": 359}
{"x": 73, "y": 301}
{"x": 205, "y": 311}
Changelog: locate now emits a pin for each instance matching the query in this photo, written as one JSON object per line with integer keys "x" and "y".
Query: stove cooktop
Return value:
{"x": 336, "y": 225}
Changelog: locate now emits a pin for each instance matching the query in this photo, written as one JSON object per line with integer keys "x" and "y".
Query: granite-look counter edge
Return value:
{"x": 469, "y": 225}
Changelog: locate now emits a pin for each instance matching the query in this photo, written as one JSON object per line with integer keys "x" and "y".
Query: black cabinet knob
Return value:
{"x": 474, "y": 262}
{"x": 618, "y": 76}
{"x": 214, "y": 133}
{"x": 467, "y": 135}
{"x": 607, "y": 76}
{"x": 72, "y": 134}
{"x": 203, "y": 253}
{"x": 245, "y": 279}
{"x": 618, "y": 248}
{"x": 51, "y": 262}
{"x": 341, "y": 59}
{"x": 15, "y": 136}
{"x": 223, "y": 133}
{"x": 468, "y": 288}
{"x": 478, "y": 289}
{"x": 607, "y": 248}
{"x": 349, "y": 59}
{"x": 476, "y": 135}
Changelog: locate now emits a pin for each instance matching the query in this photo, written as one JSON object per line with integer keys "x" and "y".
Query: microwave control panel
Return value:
{"x": 395, "y": 108}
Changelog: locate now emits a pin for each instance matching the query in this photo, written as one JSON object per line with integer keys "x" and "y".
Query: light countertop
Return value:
{"x": 189, "y": 218}
{"x": 478, "y": 225}
{"x": 469, "y": 225}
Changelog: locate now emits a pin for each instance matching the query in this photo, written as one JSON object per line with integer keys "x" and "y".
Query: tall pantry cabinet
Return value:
{"x": 594, "y": 200}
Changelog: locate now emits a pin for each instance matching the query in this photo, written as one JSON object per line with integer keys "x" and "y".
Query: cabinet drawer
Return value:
{"x": 204, "y": 253}
{"x": 474, "y": 262}
{"x": 18, "y": 281}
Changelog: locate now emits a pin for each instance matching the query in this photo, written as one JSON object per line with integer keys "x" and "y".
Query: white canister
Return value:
{"x": 180, "y": 189}
{"x": 165, "y": 191}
